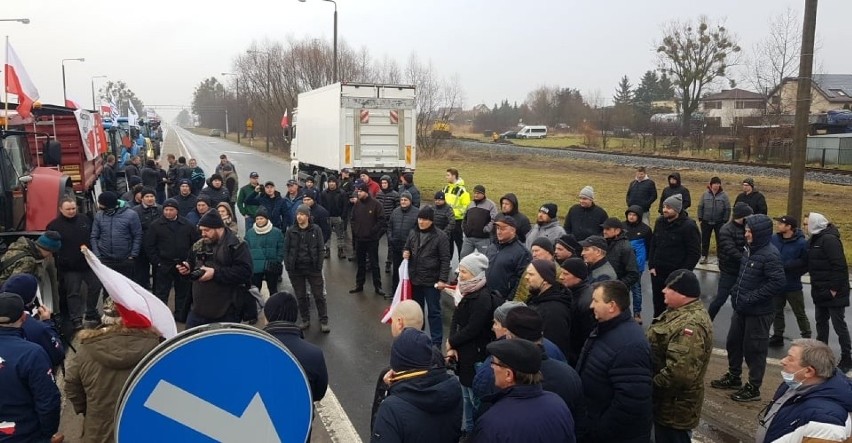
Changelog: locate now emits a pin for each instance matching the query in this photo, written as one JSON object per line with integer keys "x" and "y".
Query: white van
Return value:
{"x": 533, "y": 132}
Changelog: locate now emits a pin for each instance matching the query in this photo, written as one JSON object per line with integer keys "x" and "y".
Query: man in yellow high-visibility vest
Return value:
{"x": 458, "y": 198}
{"x": 249, "y": 128}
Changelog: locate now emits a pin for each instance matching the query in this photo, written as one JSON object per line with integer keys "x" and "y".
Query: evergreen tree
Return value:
{"x": 623, "y": 93}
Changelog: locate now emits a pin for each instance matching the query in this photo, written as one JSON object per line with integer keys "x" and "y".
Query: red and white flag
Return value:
{"x": 136, "y": 306}
{"x": 19, "y": 83}
{"x": 285, "y": 121}
{"x": 403, "y": 291}
{"x": 73, "y": 104}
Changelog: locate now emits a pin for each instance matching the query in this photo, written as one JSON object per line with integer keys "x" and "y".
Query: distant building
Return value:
{"x": 733, "y": 107}
{"x": 673, "y": 105}
{"x": 828, "y": 92}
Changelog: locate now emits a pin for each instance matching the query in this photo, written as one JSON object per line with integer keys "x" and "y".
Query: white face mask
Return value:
{"x": 790, "y": 379}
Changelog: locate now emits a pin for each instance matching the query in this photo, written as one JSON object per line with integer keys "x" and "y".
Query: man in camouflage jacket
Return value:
{"x": 25, "y": 255}
{"x": 681, "y": 341}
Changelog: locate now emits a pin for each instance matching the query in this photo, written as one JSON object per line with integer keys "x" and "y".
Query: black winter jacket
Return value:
{"x": 794, "y": 254}
{"x": 761, "y": 276}
{"x": 335, "y": 202}
{"x": 147, "y": 215}
{"x": 671, "y": 190}
{"x": 731, "y": 244}
{"x": 368, "y": 220}
{"x": 186, "y": 204}
{"x": 389, "y": 200}
{"x": 554, "y": 306}
{"x": 319, "y": 217}
{"x": 583, "y": 320}
{"x": 402, "y": 222}
{"x": 584, "y": 222}
{"x": 479, "y": 218}
{"x": 507, "y": 263}
{"x": 756, "y": 200}
{"x": 675, "y": 245}
{"x": 470, "y": 332}
{"x": 75, "y": 232}
{"x": 169, "y": 242}
{"x": 423, "y": 409}
{"x": 231, "y": 258}
{"x": 445, "y": 220}
{"x": 430, "y": 256}
{"x": 109, "y": 178}
{"x": 615, "y": 367}
{"x": 151, "y": 178}
{"x": 415, "y": 193}
{"x": 642, "y": 193}
{"x": 310, "y": 241}
{"x": 522, "y": 220}
{"x": 620, "y": 255}
{"x": 216, "y": 195}
{"x": 309, "y": 356}
{"x": 828, "y": 269}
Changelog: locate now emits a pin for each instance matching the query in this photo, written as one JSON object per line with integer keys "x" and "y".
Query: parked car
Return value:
{"x": 532, "y": 132}
{"x": 215, "y": 133}
{"x": 509, "y": 134}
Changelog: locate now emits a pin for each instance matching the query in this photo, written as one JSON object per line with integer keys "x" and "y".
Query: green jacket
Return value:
{"x": 246, "y": 210}
{"x": 266, "y": 247}
{"x": 23, "y": 255}
{"x": 681, "y": 343}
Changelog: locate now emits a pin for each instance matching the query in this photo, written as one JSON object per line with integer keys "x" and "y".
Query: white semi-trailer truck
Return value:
{"x": 364, "y": 127}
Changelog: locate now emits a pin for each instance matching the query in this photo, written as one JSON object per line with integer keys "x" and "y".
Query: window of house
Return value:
{"x": 839, "y": 92}
{"x": 713, "y": 105}
{"x": 748, "y": 104}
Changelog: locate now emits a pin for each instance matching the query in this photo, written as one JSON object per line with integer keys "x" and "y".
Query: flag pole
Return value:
{"x": 6, "y": 88}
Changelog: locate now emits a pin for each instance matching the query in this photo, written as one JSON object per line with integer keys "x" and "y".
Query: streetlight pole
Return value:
{"x": 64, "y": 90}
{"x": 94, "y": 105}
{"x": 268, "y": 91}
{"x": 237, "y": 86}
{"x": 336, "y": 76}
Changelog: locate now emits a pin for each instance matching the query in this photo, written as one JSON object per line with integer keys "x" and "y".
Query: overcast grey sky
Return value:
{"x": 498, "y": 48}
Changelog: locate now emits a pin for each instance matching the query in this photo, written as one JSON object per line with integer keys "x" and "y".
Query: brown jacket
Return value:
{"x": 95, "y": 375}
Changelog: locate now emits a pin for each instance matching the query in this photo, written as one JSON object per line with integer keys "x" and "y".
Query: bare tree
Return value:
{"x": 695, "y": 56}
{"x": 776, "y": 57}
{"x": 436, "y": 98}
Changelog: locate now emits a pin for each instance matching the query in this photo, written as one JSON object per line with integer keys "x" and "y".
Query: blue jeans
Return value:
{"x": 637, "y": 297}
{"x": 431, "y": 297}
{"x": 471, "y": 403}
{"x": 726, "y": 282}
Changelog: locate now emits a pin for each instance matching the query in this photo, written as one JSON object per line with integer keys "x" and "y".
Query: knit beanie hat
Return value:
{"x": 544, "y": 243}
{"x": 281, "y": 306}
{"x": 742, "y": 210}
{"x": 439, "y": 195}
{"x": 135, "y": 180}
{"x": 184, "y": 181}
{"x": 215, "y": 177}
{"x": 262, "y": 212}
{"x": 426, "y": 213}
{"x": 304, "y": 209}
{"x": 406, "y": 195}
{"x": 502, "y": 311}
{"x": 570, "y": 243}
{"x": 386, "y": 178}
{"x": 546, "y": 269}
{"x": 525, "y": 322}
{"x": 576, "y": 267}
{"x": 588, "y": 192}
{"x": 310, "y": 193}
{"x": 50, "y": 241}
{"x": 411, "y": 350}
{"x": 211, "y": 219}
{"x": 205, "y": 199}
{"x": 675, "y": 202}
{"x": 108, "y": 199}
{"x": 479, "y": 188}
{"x": 171, "y": 203}
{"x": 25, "y": 285}
{"x": 550, "y": 209}
{"x": 148, "y": 191}
{"x": 685, "y": 282}
{"x": 749, "y": 181}
{"x": 475, "y": 262}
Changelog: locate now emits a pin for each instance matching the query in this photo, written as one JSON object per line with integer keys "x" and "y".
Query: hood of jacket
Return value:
{"x": 552, "y": 294}
{"x": 816, "y": 223}
{"x": 636, "y": 209}
{"x": 117, "y": 347}
{"x": 676, "y": 176}
{"x": 761, "y": 230}
{"x": 435, "y": 393}
{"x": 513, "y": 200}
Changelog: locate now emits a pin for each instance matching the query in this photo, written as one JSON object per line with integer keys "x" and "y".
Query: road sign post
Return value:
{"x": 223, "y": 382}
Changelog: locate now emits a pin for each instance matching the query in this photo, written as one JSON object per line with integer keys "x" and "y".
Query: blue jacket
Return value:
{"x": 30, "y": 397}
{"x": 826, "y": 405}
{"x": 615, "y": 368}
{"x": 44, "y": 334}
{"x": 289, "y": 210}
{"x": 274, "y": 207}
{"x": 309, "y": 356}
{"x": 423, "y": 409}
{"x": 794, "y": 255}
{"x": 525, "y": 413}
{"x": 761, "y": 271}
{"x": 483, "y": 381}
{"x": 117, "y": 234}
{"x": 507, "y": 263}
{"x": 639, "y": 235}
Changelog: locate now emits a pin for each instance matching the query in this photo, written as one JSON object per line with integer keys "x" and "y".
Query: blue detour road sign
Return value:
{"x": 216, "y": 383}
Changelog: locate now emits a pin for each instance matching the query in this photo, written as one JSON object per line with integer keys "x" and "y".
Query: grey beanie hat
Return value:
{"x": 675, "y": 202}
{"x": 588, "y": 192}
{"x": 502, "y": 311}
{"x": 476, "y": 263}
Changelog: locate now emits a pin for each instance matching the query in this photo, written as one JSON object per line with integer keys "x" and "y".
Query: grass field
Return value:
{"x": 536, "y": 180}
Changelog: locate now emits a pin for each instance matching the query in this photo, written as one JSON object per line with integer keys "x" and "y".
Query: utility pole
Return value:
{"x": 803, "y": 109}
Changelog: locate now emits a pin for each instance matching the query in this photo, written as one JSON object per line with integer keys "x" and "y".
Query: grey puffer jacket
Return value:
{"x": 714, "y": 209}
{"x": 117, "y": 234}
{"x": 551, "y": 231}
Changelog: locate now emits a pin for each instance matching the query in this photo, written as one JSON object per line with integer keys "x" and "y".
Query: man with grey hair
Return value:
{"x": 814, "y": 401}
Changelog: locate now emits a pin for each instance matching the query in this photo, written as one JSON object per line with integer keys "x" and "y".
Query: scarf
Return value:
{"x": 472, "y": 285}
{"x": 264, "y": 230}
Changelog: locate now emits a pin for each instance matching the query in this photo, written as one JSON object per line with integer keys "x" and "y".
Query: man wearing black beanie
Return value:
{"x": 551, "y": 300}
{"x": 167, "y": 243}
{"x": 223, "y": 265}
{"x": 281, "y": 311}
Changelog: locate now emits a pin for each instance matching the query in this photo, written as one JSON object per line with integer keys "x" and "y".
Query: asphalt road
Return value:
{"x": 358, "y": 347}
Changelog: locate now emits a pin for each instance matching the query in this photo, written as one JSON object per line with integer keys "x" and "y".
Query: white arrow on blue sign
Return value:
{"x": 219, "y": 383}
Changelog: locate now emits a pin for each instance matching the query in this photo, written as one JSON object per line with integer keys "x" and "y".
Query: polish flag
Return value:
{"x": 7, "y": 427}
{"x": 138, "y": 308}
{"x": 19, "y": 83}
{"x": 106, "y": 110}
{"x": 70, "y": 103}
{"x": 403, "y": 292}
{"x": 285, "y": 121}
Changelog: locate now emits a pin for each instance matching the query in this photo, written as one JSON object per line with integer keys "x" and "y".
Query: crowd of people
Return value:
{"x": 546, "y": 341}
